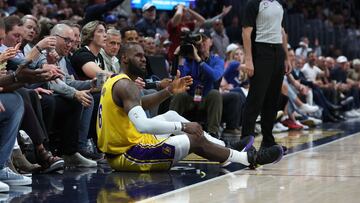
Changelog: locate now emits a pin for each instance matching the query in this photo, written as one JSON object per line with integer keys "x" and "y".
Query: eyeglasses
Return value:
{"x": 66, "y": 39}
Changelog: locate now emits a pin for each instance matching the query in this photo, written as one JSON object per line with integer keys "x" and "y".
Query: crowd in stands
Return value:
{"x": 68, "y": 51}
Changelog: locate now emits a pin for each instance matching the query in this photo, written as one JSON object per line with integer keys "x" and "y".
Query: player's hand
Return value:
{"x": 180, "y": 85}
{"x": 26, "y": 75}
{"x": 193, "y": 128}
{"x": 139, "y": 82}
{"x": 164, "y": 83}
{"x": 54, "y": 70}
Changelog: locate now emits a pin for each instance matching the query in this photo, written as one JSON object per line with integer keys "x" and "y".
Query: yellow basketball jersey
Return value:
{"x": 116, "y": 133}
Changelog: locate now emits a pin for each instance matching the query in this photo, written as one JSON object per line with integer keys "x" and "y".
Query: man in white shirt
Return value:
{"x": 310, "y": 70}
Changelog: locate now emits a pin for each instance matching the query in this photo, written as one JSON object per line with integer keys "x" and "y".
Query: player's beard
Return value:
{"x": 136, "y": 70}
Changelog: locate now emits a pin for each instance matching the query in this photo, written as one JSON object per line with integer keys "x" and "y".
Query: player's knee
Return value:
{"x": 198, "y": 143}
{"x": 199, "y": 139}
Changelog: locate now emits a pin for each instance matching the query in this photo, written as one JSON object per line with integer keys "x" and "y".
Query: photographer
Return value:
{"x": 205, "y": 69}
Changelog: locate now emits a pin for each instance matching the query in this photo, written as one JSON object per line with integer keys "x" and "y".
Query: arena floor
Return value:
{"x": 323, "y": 165}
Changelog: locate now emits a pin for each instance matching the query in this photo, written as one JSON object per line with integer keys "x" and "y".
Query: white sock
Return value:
{"x": 238, "y": 157}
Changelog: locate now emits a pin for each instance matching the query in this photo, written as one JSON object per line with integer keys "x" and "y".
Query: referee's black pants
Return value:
{"x": 264, "y": 92}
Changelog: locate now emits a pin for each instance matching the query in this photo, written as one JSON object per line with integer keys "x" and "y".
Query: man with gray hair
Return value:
{"x": 74, "y": 89}
{"x": 70, "y": 88}
{"x": 111, "y": 50}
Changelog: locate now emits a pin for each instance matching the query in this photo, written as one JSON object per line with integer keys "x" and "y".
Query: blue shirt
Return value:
{"x": 146, "y": 27}
{"x": 232, "y": 73}
{"x": 204, "y": 73}
{"x": 20, "y": 59}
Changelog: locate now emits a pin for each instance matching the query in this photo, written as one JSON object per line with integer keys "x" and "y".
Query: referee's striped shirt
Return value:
{"x": 266, "y": 18}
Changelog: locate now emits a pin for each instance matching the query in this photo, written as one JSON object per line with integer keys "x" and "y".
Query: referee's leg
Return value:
{"x": 269, "y": 109}
{"x": 263, "y": 61}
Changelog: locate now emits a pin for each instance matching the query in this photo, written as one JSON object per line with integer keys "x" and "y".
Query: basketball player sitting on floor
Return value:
{"x": 131, "y": 141}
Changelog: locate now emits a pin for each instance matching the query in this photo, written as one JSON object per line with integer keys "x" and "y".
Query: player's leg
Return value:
{"x": 214, "y": 152}
{"x": 242, "y": 145}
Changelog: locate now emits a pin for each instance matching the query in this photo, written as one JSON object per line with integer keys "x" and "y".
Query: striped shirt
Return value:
{"x": 266, "y": 18}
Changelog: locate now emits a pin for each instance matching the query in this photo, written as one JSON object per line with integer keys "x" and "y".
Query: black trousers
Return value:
{"x": 242, "y": 99}
{"x": 264, "y": 92}
{"x": 32, "y": 122}
{"x": 231, "y": 109}
{"x": 48, "y": 111}
{"x": 65, "y": 137}
{"x": 92, "y": 130}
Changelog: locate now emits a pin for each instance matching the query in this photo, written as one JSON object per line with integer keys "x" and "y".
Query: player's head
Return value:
{"x": 133, "y": 59}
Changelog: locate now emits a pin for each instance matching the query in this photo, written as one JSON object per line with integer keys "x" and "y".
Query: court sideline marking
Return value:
{"x": 151, "y": 199}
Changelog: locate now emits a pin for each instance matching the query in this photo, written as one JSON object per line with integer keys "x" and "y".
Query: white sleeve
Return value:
{"x": 147, "y": 125}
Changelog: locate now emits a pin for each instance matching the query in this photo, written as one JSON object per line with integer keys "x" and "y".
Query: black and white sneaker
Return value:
{"x": 284, "y": 148}
{"x": 243, "y": 145}
{"x": 269, "y": 155}
{"x": 91, "y": 155}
